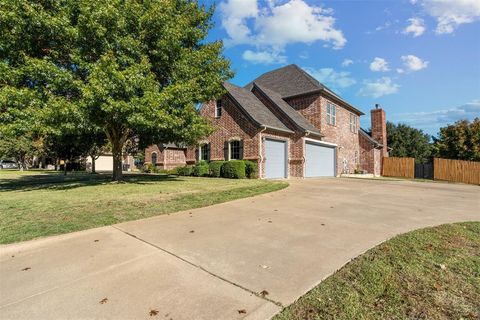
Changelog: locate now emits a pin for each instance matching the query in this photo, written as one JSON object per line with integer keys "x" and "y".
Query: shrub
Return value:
{"x": 200, "y": 170}
{"x": 184, "y": 171}
{"x": 148, "y": 168}
{"x": 251, "y": 169}
{"x": 234, "y": 169}
{"x": 215, "y": 168}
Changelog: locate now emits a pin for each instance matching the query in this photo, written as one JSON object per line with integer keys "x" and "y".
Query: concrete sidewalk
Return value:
{"x": 214, "y": 262}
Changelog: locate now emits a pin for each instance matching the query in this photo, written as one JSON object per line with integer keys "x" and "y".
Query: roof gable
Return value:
{"x": 295, "y": 116}
{"x": 254, "y": 108}
{"x": 291, "y": 81}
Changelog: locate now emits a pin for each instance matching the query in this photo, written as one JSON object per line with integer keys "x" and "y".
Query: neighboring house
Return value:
{"x": 104, "y": 162}
{"x": 168, "y": 156}
{"x": 292, "y": 126}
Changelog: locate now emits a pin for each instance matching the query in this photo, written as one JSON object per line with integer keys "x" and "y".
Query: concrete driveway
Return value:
{"x": 215, "y": 262}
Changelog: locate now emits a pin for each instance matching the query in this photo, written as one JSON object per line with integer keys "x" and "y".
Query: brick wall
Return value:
{"x": 379, "y": 128}
{"x": 166, "y": 158}
{"x": 232, "y": 124}
{"x": 314, "y": 108}
{"x": 367, "y": 160}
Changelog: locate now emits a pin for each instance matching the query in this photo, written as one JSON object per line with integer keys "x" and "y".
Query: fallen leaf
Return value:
{"x": 26, "y": 269}
{"x": 264, "y": 266}
{"x": 269, "y": 221}
{"x": 96, "y": 240}
{"x": 442, "y": 266}
{"x": 153, "y": 313}
{"x": 323, "y": 224}
{"x": 103, "y": 301}
{"x": 192, "y": 231}
{"x": 331, "y": 207}
{"x": 243, "y": 311}
{"x": 275, "y": 210}
{"x": 13, "y": 256}
{"x": 189, "y": 213}
{"x": 429, "y": 247}
{"x": 264, "y": 293}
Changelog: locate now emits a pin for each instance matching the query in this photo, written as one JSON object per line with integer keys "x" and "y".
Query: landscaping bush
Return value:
{"x": 184, "y": 171}
{"x": 149, "y": 168}
{"x": 215, "y": 168}
{"x": 234, "y": 169}
{"x": 251, "y": 169}
{"x": 200, "y": 170}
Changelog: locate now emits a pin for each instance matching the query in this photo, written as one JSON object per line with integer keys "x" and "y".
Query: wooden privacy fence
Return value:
{"x": 398, "y": 167}
{"x": 456, "y": 170}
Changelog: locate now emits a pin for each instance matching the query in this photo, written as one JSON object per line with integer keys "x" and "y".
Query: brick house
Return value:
{"x": 291, "y": 125}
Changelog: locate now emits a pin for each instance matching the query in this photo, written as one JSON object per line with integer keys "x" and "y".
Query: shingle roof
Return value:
{"x": 369, "y": 138}
{"x": 286, "y": 109}
{"x": 288, "y": 81}
{"x": 254, "y": 108}
{"x": 291, "y": 80}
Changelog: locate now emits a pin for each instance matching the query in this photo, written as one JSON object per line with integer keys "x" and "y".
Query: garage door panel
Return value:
{"x": 319, "y": 160}
{"x": 275, "y": 159}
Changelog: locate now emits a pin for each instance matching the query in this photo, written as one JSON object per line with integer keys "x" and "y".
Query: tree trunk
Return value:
{"x": 117, "y": 160}
{"x": 65, "y": 167}
{"x": 93, "y": 164}
{"x": 117, "y": 138}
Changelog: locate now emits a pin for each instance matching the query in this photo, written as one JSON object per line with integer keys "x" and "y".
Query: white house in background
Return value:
{"x": 105, "y": 163}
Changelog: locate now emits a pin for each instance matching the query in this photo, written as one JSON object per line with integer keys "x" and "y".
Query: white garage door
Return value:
{"x": 319, "y": 160}
{"x": 275, "y": 159}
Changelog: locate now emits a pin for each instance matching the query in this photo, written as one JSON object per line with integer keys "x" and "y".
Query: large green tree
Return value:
{"x": 406, "y": 141}
{"x": 134, "y": 68}
{"x": 460, "y": 140}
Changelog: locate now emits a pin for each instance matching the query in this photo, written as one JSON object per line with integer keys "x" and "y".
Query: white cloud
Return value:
{"x": 347, "y": 62}
{"x": 450, "y": 14}
{"x": 442, "y": 117}
{"x": 331, "y": 78}
{"x": 273, "y": 27}
{"x": 416, "y": 27}
{"x": 400, "y": 70}
{"x": 264, "y": 57}
{"x": 380, "y": 87}
{"x": 238, "y": 11}
{"x": 414, "y": 63}
{"x": 379, "y": 64}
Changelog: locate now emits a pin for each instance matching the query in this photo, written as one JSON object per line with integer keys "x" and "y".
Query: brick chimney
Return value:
{"x": 379, "y": 127}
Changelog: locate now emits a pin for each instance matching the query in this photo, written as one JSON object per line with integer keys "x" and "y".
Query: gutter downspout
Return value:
{"x": 260, "y": 164}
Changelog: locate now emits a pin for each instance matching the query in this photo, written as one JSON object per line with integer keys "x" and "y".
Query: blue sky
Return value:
{"x": 419, "y": 59}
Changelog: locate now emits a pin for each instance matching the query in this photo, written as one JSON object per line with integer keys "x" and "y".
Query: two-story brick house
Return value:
{"x": 292, "y": 126}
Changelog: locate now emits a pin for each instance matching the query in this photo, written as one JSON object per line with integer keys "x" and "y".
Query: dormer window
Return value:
{"x": 331, "y": 114}
{"x": 218, "y": 109}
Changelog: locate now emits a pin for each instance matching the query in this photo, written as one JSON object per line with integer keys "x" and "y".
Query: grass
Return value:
{"x": 36, "y": 204}
{"x": 432, "y": 273}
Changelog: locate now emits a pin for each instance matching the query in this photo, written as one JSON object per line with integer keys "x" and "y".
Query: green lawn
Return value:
{"x": 35, "y": 203}
{"x": 431, "y": 273}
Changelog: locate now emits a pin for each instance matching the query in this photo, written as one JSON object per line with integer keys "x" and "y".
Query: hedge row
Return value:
{"x": 234, "y": 169}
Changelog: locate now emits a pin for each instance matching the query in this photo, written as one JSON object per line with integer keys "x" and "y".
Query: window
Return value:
{"x": 331, "y": 114}
{"x": 353, "y": 123}
{"x": 235, "y": 149}
{"x": 154, "y": 157}
{"x": 218, "y": 109}
{"x": 204, "y": 152}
